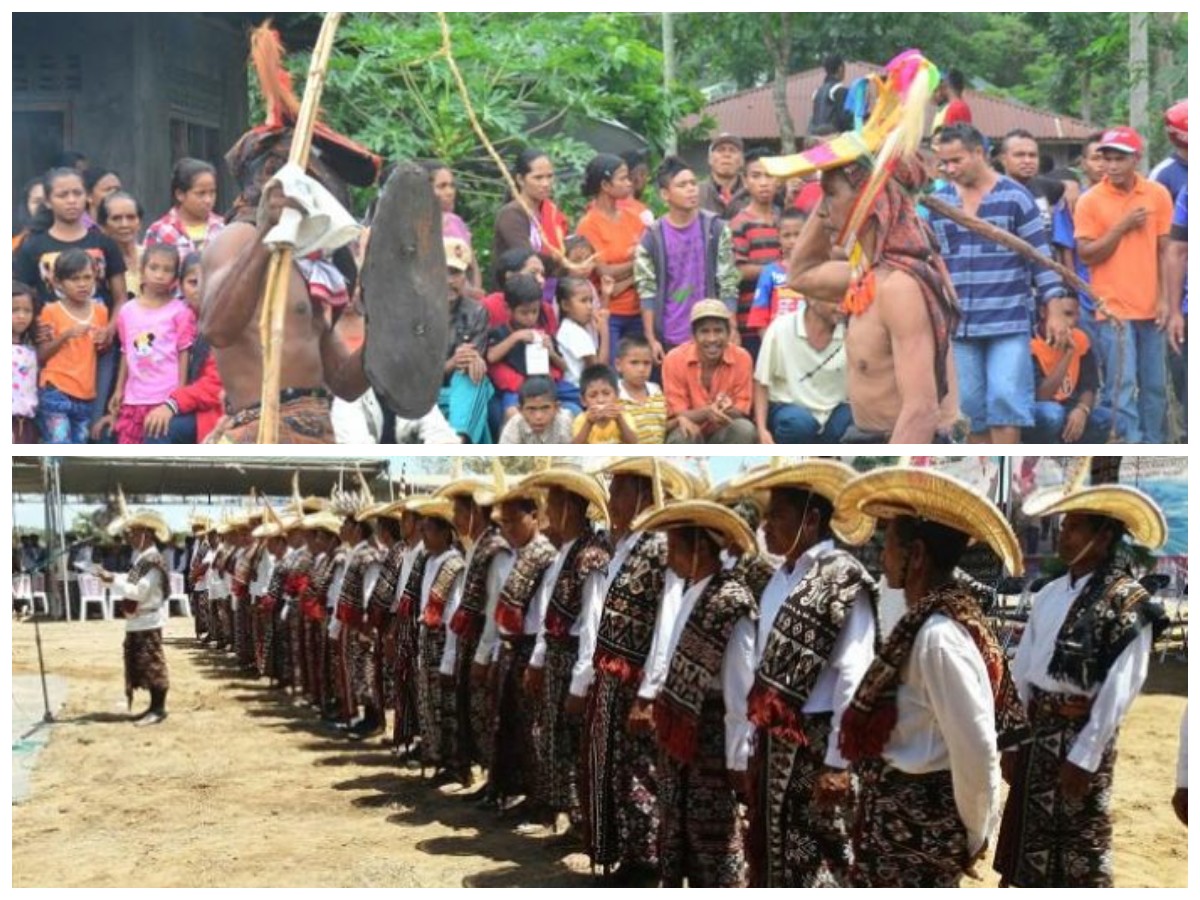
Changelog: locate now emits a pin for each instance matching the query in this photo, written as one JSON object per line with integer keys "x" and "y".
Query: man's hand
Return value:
{"x": 1058, "y": 326}
{"x": 1177, "y": 332}
{"x": 832, "y": 789}
{"x": 534, "y": 681}
{"x": 607, "y": 285}
{"x": 641, "y": 718}
{"x": 1135, "y": 219}
{"x": 656, "y": 352}
{"x": 1162, "y": 313}
{"x": 688, "y": 428}
{"x": 1077, "y": 420}
{"x": 274, "y": 202}
{"x": 1074, "y": 781}
{"x": 158, "y": 421}
{"x": 44, "y": 333}
{"x": 574, "y": 707}
{"x": 765, "y": 436}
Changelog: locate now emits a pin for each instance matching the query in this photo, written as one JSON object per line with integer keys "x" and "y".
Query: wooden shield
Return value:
{"x": 405, "y": 293}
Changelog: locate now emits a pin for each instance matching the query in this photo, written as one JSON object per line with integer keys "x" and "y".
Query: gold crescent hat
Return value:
{"x": 676, "y": 483}
{"x": 397, "y": 508}
{"x": 432, "y": 508}
{"x": 824, "y": 477}
{"x": 935, "y": 497}
{"x": 1141, "y": 516}
{"x": 142, "y": 518}
{"x": 725, "y": 525}
{"x": 200, "y": 523}
{"x": 324, "y": 520}
{"x": 574, "y": 481}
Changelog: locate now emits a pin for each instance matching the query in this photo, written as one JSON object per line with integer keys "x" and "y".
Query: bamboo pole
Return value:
{"x": 279, "y": 270}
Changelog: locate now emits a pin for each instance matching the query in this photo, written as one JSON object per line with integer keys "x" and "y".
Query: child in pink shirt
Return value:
{"x": 156, "y": 332}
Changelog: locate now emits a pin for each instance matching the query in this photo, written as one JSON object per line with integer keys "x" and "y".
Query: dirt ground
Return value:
{"x": 239, "y": 788}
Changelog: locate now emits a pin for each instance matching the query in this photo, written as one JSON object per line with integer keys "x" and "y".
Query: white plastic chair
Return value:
{"x": 179, "y": 595}
{"x": 92, "y": 590}
{"x": 22, "y": 590}
{"x": 38, "y": 594}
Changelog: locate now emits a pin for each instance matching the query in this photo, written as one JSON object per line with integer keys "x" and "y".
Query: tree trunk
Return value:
{"x": 1085, "y": 95}
{"x": 779, "y": 45}
{"x": 1139, "y": 73}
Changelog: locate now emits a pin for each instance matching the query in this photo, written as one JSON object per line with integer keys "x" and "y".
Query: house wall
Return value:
{"x": 117, "y": 80}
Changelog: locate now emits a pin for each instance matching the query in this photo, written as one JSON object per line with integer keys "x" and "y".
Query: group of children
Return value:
{"x": 57, "y": 349}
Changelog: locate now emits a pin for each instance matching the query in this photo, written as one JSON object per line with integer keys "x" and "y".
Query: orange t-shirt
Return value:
{"x": 73, "y": 368}
{"x": 685, "y": 391}
{"x": 1127, "y": 280}
{"x": 615, "y": 242}
{"x": 1048, "y": 358}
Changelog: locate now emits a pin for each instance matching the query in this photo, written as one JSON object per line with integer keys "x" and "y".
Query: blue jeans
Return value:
{"x": 1051, "y": 418}
{"x": 791, "y": 424}
{"x": 995, "y": 381}
{"x": 1142, "y": 394}
{"x": 107, "y": 364}
{"x": 182, "y": 430}
{"x": 62, "y": 419}
{"x": 619, "y": 327}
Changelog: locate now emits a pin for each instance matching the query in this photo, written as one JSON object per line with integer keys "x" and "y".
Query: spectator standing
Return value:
{"x": 639, "y": 178}
{"x": 583, "y": 335}
{"x": 773, "y": 295}
{"x": 800, "y": 380}
{"x": 994, "y": 286}
{"x": 190, "y": 224}
{"x": 98, "y": 182}
{"x": 614, "y": 227}
{"x": 829, "y": 115}
{"x": 756, "y": 242}
{"x": 24, "y": 365}
{"x": 1171, "y": 173}
{"x": 445, "y": 188}
{"x": 119, "y": 216}
{"x": 515, "y": 226}
{"x": 686, "y": 256}
{"x": 723, "y": 193}
{"x": 1177, "y": 259}
{"x": 952, "y": 105}
{"x": 709, "y": 383}
{"x": 1021, "y": 161}
{"x": 1123, "y": 227}
{"x": 32, "y": 199}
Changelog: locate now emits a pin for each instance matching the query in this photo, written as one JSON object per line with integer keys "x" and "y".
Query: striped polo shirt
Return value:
{"x": 995, "y": 285}
{"x": 755, "y": 242}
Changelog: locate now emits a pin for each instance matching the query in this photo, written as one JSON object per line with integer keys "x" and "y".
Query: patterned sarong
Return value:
{"x": 514, "y": 760}
{"x": 557, "y": 736}
{"x": 145, "y": 662}
{"x": 795, "y": 844}
{"x": 701, "y": 831}
{"x": 1045, "y": 839}
{"x": 302, "y": 420}
{"x": 908, "y": 833}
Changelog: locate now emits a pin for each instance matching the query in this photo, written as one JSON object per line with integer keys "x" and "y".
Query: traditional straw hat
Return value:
{"x": 325, "y": 520}
{"x": 1140, "y": 515}
{"x": 675, "y": 482}
{"x": 272, "y": 525}
{"x": 725, "y": 525}
{"x": 432, "y": 508}
{"x": 142, "y": 518}
{"x": 397, "y": 508}
{"x": 934, "y": 497}
{"x": 574, "y": 481}
{"x": 824, "y": 477}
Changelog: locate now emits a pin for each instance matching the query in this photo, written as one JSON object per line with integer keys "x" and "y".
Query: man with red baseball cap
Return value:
{"x": 1171, "y": 173}
{"x": 1122, "y": 227}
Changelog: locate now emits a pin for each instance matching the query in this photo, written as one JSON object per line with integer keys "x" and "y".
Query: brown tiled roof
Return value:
{"x": 751, "y": 113}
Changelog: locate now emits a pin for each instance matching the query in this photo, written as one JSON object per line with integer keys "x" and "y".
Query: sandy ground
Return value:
{"x": 239, "y": 788}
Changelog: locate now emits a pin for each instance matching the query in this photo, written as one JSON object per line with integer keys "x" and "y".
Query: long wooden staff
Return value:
{"x": 279, "y": 270}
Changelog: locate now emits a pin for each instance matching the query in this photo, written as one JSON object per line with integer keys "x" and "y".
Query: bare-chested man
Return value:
{"x": 900, "y": 370}
{"x": 316, "y": 362}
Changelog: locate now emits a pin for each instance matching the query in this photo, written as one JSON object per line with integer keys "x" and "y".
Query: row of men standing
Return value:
{"x": 654, "y": 681}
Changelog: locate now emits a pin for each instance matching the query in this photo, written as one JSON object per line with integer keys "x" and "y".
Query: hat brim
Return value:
{"x": 676, "y": 484}
{"x": 322, "y": 521}
{"x": 837, "y": 153}
{"x": 1141, "y": 516}
{"x": 432, "y": 508}
{"x": 145, "y": 519}
{"x": 574, "y": 482}
{"x": 705, "y": 514}
{"x": 933, "y": 496}
{"x": 825, "y": 477}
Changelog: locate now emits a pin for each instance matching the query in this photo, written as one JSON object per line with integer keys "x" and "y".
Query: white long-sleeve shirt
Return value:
{"x": 593, "y": 598}
{"x": 450, "y": 650}
{"x": 432, "y": 567}
{"x": 737, "y": 672}
{"x": 590, "y": 614}
{"x": 852, "y": 654}
{"x": 212, "y": 578}
{"x": 489, "y": 641}
{"x": 1110, "y": 701}
{"x": 535, "y": 612}
{"x": 407, "y": 561}
{"x": 778, "y": 589}
{"x": 149, "y": 592}
{"x": 262, "y": 575}
{"x": 945, "y": 720}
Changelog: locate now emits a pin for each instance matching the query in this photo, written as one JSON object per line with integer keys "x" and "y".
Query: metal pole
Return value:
{"x": 62, "y": 538}
{"x": 668, "y": 39}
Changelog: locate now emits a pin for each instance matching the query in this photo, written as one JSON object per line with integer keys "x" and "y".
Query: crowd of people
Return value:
{"x": 700, "y": 701}
{"x": 679, "y": 309}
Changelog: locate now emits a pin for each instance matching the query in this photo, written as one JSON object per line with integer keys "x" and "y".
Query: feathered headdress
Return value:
{"x": 350, "y": 161}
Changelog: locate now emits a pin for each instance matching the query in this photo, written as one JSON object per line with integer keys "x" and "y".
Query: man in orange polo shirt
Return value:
{"x": 1122, "y": 228}
{"x": 709, "y": 383}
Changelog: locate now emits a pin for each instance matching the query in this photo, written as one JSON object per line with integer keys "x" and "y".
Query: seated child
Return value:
{"x": 520, "y": 345}
{"x": 1068, "y": 380}
{"x": 773, "y": 298}
{"x": 75, "y": 332}
{"x": 583, "y": 335}
{"x": 541, "y": 419}
{"x": 602, "y": 422}
{"x": 641, "y": 399}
